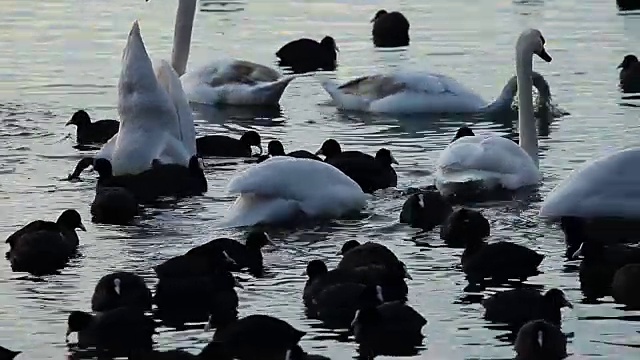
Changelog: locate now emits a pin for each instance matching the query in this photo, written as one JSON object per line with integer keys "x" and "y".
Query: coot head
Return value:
{"x": 348, "y": 246}
{"x": 275, "y": 148}
{"x": 258, "y": 239}
{"x": 384, "y": 156}
{"x": 252, "y": 138}
{"x": 557, "y": 299}
{"x": 628, "y": 61}
{"x": 78, "y": 321}
{"x": 80, "y": 118}
{"x": 329, "y": 148}
{"x": 316, "y": 268}
{"x": 379, "y": 14}
{"x": 70, "y": 219}
{"x": 103, "y": 168}
{"x": 462, "y": 132}
{"x": 329, "y": 43}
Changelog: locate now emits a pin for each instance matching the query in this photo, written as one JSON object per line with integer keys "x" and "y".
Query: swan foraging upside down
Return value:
{"x": 282, "y": 188}
{"x": 491, "y": 160}
{"x": 156, "y": 122}
{"x": 231, "y": 82}
{"x": 422, "y": 92}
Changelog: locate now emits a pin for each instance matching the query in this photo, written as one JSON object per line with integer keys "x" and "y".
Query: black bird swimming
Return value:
{"x": 98, "y": 132}
{"x": 390, "y": 29}
{"x": 304, "y": 55}
{"x": 226, "y": 146}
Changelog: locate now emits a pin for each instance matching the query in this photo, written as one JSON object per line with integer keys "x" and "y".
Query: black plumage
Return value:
{"x": 98, "y": 132}
{"x": 226, "y": 146}
{"x": 540, "y": 340}
{"x": 304, "y": 55}
{"x": 370, "y": 174}
{"x": 519, "y": 306}
{"x": 121, "y": 289}
{"x": 500, "y": 261}
{"x": 275, "y": 148}
{"x": 390, "y": 29}
{"x": 114, "y": 205}
{"x": 425, "y": 210}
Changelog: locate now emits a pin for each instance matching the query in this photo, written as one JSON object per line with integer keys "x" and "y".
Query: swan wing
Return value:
{"x": 169, "y": 80}
{"x": 605, "y": 187}
{"x": 317, "y": 188}
{"x": 482, "y": 156}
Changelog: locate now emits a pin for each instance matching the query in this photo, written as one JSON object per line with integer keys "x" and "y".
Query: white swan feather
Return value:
{"x": 282, "y": 188}
{"x": 605, "y": 187}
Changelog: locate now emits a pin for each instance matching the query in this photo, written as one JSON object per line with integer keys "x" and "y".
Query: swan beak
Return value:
{"x": 544, "y": 55}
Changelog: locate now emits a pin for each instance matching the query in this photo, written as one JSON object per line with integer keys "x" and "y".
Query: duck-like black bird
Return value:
{"x": 304, "y": 55}
{"x": 519, "y": 306}
{"x": 463, "y": 226}
{"x": 114, "y": 205}
{"x": 226, "y": 146}
{"x": 275, "y": 148}
{"x": 356, "y": 255}
{"x": 370, "y": 174}
{"x": 540, "y": 340}
{"x": 500, "y": 261}
{"x": 121, "y": 289}
{"x": 630, "y": 74}
{"x": 43, "y": 247}
{"x": 98, "y": 132}
{"x": 390, "y": 29}
{"x": 425, "y": 210}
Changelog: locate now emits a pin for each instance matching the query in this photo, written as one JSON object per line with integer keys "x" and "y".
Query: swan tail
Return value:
{"x": 341, "y": 99}
{"x": 270, "y": 93}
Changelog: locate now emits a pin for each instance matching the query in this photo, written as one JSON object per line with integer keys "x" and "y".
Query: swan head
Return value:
{"x": 532, "y": 41}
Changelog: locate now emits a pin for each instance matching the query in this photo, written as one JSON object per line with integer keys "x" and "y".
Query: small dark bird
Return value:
{"x": 6, "y": 354}
{"x": 114, "y": 205}
{"x": 540, "y": 340}
{"x": 391, "y": 323}
{"x": 331, "y": 149}
{"x": 630, "y": 73}
{"x": 226, "y": 146}
{"x": 304, "y": 55}
{"x": 120, "y": 331}
{"x": 370, "y": 174}
{"x": 245, "y": 256}
{"x": 519, "y": 306}
{"x": 462, "y": 132}
{"x": 390, "y": 29}
{"x": 43, "y": 247}
{"x": 626, "y": 5}
{"x": 624, "y": 287}
{"x": 500, "y": 261}
{"x": 159, "y": 181}
{"x": 464, "y": 226}
{"x": 356, "y": 255}
{"x": 275, "y": 148}
{"x": 212, "y": 298}
{"x": 425, "y": 210}
{"x": 98, "y": 132}
{"x": 253, "y": 337}
{"x": 121, "y": 289}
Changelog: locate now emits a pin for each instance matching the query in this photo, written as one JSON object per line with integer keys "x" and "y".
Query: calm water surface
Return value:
{"x": 61, "y": 55}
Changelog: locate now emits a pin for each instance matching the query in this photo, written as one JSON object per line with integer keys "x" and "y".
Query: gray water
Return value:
{"x": 61, "y": 55}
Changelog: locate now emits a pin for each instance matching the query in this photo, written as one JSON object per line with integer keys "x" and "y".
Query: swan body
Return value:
{"x": 491, "y": 160}
{"x": 234, "y": 82}
{"x": 605, "y": 187}
{"x": 420, "y": 92}
{"x": 283, "y": 188}
{"x": 156, "y": 121}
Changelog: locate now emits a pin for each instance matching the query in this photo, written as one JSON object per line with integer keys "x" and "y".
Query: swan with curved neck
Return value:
{"x": 423, "y": 92}
{"x": 229, "y": 81}
{"x": 155, "y": 119}
{"x": 491, "y": 160}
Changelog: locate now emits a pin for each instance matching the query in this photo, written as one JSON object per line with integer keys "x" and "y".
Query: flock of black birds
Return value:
{"x": 366, "y": 294}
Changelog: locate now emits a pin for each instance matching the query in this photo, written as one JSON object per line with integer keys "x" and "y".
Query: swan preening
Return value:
{"x": 283, "y": 188}
{"x": 491, "y": 160}
{"x": 227, "y": 81}
{"x": 422, "y": 92}
{"x": 156, "y": 122}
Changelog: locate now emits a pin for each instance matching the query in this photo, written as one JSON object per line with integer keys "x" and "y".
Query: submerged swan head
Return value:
{"x": 532, "y": 41}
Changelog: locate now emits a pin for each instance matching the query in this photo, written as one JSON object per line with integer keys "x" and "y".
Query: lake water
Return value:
{"x": 61, "y": 55}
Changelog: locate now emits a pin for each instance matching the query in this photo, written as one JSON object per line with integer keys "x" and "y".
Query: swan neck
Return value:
{"x": 526, "y": 119}
{"x": 185, "y": 16}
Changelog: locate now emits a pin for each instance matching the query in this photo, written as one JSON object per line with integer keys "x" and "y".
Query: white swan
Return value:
{"x": 231, "y": 81}
{"x": 605, "y": 187}
{"x": 492, "y": 160}
{"x": 421, "y": 92}
{"x": 155, "y": 117}
{"x": 283, "y": 188}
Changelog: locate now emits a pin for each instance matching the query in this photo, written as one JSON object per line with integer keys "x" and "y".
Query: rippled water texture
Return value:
{"x": 60, "y": 55}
